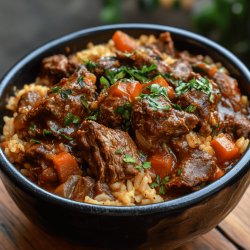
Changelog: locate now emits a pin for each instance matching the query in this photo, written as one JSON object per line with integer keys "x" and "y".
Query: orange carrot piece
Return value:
{"x": 217, "y": 174}
{"x": 123, "y": 41}
{"x": 224, "y": 148}
{"x": 161, "y": 164}
{"x": 66, "y": 165}
{"x": 162, "y": 82}
{"x": 129, "y": 90}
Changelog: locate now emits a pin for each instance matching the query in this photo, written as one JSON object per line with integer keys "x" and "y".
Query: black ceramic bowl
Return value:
{"x": 163, "y": 225}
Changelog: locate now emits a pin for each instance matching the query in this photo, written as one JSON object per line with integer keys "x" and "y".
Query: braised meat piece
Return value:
{"x": 195, "y": 169}
{"x": 102, "y": 64}
{"x": 76, "y": 188}
{"x": 145, "y": 56}
{"x": 159, "y": 125}
{"x": 108, "y": 111}
{"x": 237, "y": 125}
{"x": 229, "y": 89}
{"x": 182, "y": 70}
{"x": 204, "y": 109}
{"x": 64, "y": 107}
{"x": 110, "y": 154}
{"x": 54, "y": 68}
{"x": 28, "y": 100}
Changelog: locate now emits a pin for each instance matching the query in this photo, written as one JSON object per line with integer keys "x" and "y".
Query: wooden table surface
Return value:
{"x": 17, "y": 232}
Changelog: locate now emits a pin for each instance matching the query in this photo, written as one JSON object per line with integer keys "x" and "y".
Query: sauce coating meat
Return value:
{"x": 129, "y": 122}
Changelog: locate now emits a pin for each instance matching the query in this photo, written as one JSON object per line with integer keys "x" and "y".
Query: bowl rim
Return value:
{"x": 167, "y": 206}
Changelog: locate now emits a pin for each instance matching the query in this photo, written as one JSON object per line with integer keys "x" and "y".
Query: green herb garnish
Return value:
{"x": 93, "y": 115}
{"x": 65, "y": 93}
{"x": 71, "y": 118}
{"x": 125, "y": 112}
{"x": 190, "y": 108}
{"x": 84, "y": 102}
{"x": 132, "y": 72}
{"x": 179, "y": 171}
{"x": 80, "y": 81}
{"x": 118, "y": 151}
{"x": 201, "y": 84}
{"x": 55, "y": 89}
{"x": 91, "y": 65}
{"x": 104, "y": 83}
{"x": 145, "y": 165}
{"x": 35, "y": 141}
{"x": 156, "y": 91}
{"x": 160, "y": 183}
{"x": 32, "y": 127}
{"x": 129, "y": 159}
{"x": 47, "y": 132}
{"x": 177, "y": 106}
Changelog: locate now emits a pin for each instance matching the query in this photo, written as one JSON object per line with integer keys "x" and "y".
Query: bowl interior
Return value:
{"x": 26, "y": 70}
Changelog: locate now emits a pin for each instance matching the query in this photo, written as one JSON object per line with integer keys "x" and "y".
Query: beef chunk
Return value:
{"x": 108, "y": 114}
{"x": 159, "y": 125}
{"x": 54, "y": 68}
{"x": 237, "y": 125}
{"x": 165, "y": 43}
{"x": 182, "y": 70}
{"x": 99, "y": 146}
{"x": 28, "y": 100}
{"x": 104, "y": 63}
{"x": 229, "y": 89}
{"x": 76, "y": 188}
{"x": 145, "y": 56}
{"x": 195, "y": 169}
{"x": 205, "y": 110}
{"x": 66, "y": 97}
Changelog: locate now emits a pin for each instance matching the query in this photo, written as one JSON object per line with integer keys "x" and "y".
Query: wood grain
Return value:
{"x": 17, "y": 232}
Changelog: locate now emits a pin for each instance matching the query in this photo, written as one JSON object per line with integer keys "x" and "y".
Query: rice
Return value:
{"x": 129, "y": 193}
{"x": 13, "y": 101}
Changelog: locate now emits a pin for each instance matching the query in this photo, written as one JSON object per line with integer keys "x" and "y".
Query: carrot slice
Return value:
{"x": 129, "y": 90}
{"x": 161, "y": 164}
{"x": 217, "y": 174}
{"x": 123, "y": 41}
{"x": 224, "y": 148}
{"x": 65, "y": 165}
{"x": 162, "y": 82}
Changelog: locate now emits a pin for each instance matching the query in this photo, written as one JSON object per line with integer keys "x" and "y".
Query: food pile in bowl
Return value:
{"x": 129, "y": 122}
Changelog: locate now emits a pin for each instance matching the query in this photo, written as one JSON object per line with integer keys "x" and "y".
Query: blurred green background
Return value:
{"x": 26, "y": 24}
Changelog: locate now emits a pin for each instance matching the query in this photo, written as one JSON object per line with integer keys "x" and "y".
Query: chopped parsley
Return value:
{"x": 91, "y": 65}
{"x": 32, "y": 127}
{"x": 160, "y": 183}
{"x": 65, "y": 93}
{"x": 125, "y": 112}
{"x": 80, "y": 81}
{"x": 177, "y": 106}
{"x": 145, "y": 165}
{"x": 179, "y": 171}
{"x": 118, "y": 151}
{"x": 93, "y": 115}
{"x": 71, "y": 118}
{"x": 84, "y": 102}
{"x": 104, "y": 83}
{"x": 190, "y": 108}
{"x": 155, "y": 92}
{"x": 35, "y": 141}
{"x": 201, "y": 84}
{"x": 141, "y": 75}
{"x": 62, "y": 133}
{"x": 129, "y": 159}
{"x": 55, "y": 89}
{"x": 47, "y": 132}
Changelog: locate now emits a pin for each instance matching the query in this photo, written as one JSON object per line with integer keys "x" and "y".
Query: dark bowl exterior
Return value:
{"x": 158, "y": 226}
